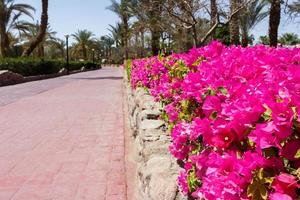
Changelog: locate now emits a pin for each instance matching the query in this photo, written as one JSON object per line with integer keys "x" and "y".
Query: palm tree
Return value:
{"x": 264, "y": 39}
{"x": 107, "y": 44}
{"x": 124, "y": 11}
{"x": 33, "y": 32}
{"x": 115, "y": 33}
{"x": 274, "y": 21}
{"x": 138, "y": 29}
{"x": 42, "y": 30}
{"x": 153, "y": 13}
{"x": 234, "y": 23}
{"x": 294, "y": 8}
{"x": 84, "y": 39}
{"x": 57, "y": 48}
{"x": 289, "y": 39}
{"x": 252, "y": 14}
{"x": 10, "y": 14}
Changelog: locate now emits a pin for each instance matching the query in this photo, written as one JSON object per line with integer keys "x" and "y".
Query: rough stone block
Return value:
{"x": 152, "y": 124}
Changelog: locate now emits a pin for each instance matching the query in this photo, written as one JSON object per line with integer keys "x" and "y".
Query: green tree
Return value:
{"x": 264, "y": 39}
{"x": 153, "y": 16}
{"x": 32, "y": 33}
{"x": 289, "y": 39}
{"x": 116, "y": 33}
{"x": 294, "y": 8}
{"x": 107, "y": 45}
{"x": 222, "y": 34}
{"x": 84, "y": 39}
{"x": 10, "y": 13}
{"x": 56, "y": 48}
{"x": 124, "y": 11}
{"x": 251, "y": 15}
{"x": 34, "y": 42}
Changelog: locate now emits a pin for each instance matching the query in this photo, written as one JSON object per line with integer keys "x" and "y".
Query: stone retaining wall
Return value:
{"x": 157, "y": 170}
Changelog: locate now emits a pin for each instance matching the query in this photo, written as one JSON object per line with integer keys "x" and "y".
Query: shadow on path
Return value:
{"x": 101, "y": 78}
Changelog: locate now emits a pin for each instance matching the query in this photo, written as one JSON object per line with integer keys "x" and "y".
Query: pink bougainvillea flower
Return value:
{"x": 286, "y": 184}
{"x": 279, "y": 196}
{"x": 183, "y": 182}
{"x": 263, "y": 136}
{"x": 290, "y": 149}
{"x": 200, "y": 127}
{"x": 211, "y": 104}
{"x": 172, "y": 112}
{"x": 245, "y": 103}
{"x": 223, "y": 138}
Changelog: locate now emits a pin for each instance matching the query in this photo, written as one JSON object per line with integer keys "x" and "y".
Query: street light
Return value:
{"x": 67, "y": 45}
{"x": 93, "y": 50}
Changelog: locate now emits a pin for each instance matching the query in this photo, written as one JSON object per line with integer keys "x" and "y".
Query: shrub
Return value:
{"x": 127, "y": 65}
{"x": 33, "y": 66}
{"x": 234, "y": 116}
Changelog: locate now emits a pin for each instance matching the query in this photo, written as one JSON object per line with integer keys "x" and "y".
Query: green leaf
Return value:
{"x": 257, "y": 190}
{"x": 263, "y": 192}
{"x": 198, "y": 61}
{"x": 297, "y": 156}
{"x": 197, "y": 149}
{"x": 188, "y": 108}
{"x": 251, "y": 143}
{"x": 213, "y": 115}
{"x": 211, "y": 92}
{"x": 193, "y": 181}
{"x": 267, "y": 115}
{"x": 223, "y": 90}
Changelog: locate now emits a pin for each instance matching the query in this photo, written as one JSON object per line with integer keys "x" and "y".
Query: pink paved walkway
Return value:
{"x": 66, "y": 143}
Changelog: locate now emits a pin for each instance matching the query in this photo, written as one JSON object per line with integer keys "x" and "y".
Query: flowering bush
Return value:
{"x": 234, "y": 116}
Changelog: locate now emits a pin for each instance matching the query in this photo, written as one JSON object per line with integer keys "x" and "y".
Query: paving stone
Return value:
{"x": 61, "y": 138}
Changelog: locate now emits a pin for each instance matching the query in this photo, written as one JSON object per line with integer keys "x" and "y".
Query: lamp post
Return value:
{"x": 93, "y": 51}
{"x": 67, "y": 45}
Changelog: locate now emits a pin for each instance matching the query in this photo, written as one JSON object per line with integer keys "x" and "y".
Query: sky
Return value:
{"x": 67, "y": 16}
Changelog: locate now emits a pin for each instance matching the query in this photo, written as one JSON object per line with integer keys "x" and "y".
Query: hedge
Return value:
{"x": 33, "y": 66}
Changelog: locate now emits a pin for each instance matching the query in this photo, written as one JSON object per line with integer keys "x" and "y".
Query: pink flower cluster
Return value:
{"x": 234, "y": 115}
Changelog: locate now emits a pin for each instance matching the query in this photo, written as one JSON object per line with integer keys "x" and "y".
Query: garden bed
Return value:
{"x": 234, "y": 119}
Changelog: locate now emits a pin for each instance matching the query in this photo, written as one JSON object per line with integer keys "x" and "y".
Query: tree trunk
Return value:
{"x": 234, "y": 23}
{"x": 42, "y": 30}
{"x": 274, "y": 22}
{"x": 186, "y": 39}
{"x": 244, "y": 38}
{"x": 84, "y": 52}
{"x": 180, "y": 39}
{"x": 41, "y": 50}
{"x": 195, "y": 35}
{"x": 136, "y": 44}
{"x": 143, "y": 43}
{"x": 126, "y": 36}
{"x": 155, "y": 18}
{"x": 4, "y": 39}
{"x": 169, "y": 44}
{"x": 5, "y": 50}
{"x": 155, "y": 36}
{"x": 214, "y": 15}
